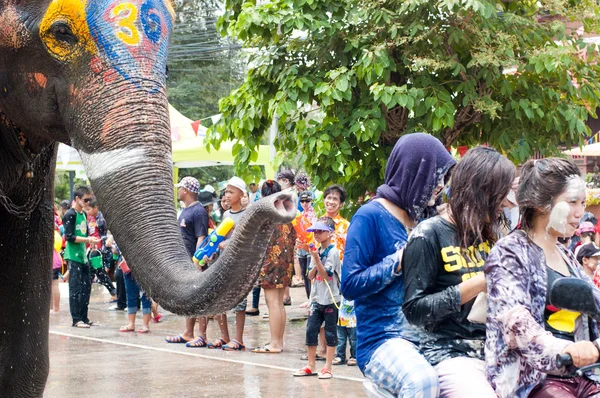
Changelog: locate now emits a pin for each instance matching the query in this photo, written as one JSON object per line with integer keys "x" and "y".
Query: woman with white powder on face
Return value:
{"x": 524, "y": 332}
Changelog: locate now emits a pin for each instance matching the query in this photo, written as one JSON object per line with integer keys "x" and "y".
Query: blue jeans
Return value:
{"x": 398, "y": 367}
{"x": 80, "y": 288}
{"x": 133, "y": 294}
{"x": 346, "y": 334}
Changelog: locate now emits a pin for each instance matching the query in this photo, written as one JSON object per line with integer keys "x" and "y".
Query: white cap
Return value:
{"x": 238, "y": 183}
{"x": 209, "y": 188}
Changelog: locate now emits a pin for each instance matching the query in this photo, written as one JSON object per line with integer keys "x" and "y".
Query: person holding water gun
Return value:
{"x": 324, "y": 272}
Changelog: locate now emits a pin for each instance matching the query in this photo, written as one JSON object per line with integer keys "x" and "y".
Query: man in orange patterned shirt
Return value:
{"x": 334, "y": 198}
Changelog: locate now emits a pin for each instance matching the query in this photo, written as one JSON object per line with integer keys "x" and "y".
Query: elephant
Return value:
{"x": 92, "y": 74}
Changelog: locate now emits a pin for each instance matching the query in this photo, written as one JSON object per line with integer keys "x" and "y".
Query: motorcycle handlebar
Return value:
{"x": 563, "y": 360}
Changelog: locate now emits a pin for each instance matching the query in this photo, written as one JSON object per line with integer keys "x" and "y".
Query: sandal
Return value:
{"x": 234, "y": 345}
{"x": 337, "y": 361}
{"x": 143, "y": 329}
{"x": 253, "y": 313}
{"x": 218, "y": 343}
{"x": 199, "y": 342}
{"x": 126, "y": 329}
{"x": 176, "y": 339}
{"x": 157, "y": 318}
{"x": 266, "y": 350}
{"x": 352, "y": 362}
{"x": 81, "y": 325}
{"x": 288, "y": 301}
{"x": 304, "y": 372}
{"x": 325, "y": 374}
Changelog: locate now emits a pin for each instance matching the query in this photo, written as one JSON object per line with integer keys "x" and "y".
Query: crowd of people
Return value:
{"x": 438, "y": 286}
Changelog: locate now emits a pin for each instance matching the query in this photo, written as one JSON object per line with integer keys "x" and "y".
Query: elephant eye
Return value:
{"x": 62, "y": 32}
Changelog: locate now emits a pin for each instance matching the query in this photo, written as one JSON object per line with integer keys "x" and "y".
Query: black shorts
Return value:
{"x": 318, "y": 314}
{"x": 55, "y": 272}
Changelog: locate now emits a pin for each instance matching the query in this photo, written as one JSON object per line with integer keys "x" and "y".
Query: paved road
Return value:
{"x": 102, "y": 362}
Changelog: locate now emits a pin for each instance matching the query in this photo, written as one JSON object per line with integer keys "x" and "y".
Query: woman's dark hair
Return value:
{"x": 591, "y": 235}
{"x": 480, "y": 183}
{"x": 541, "y": 181}
{"x": 270, "y": 187}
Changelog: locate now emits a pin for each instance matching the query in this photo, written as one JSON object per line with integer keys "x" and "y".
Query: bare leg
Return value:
{"x": 240, "y": 321}
{"x": 222, "y": 319}
{"x": 322, "y": 342}
{"x": 188, "y": 333}
{"x": 329, "y": 357}
{"x": 131, "y": 324}
{"x": 146, "y": 320}
{"x": 277, "y": 316}
{"x": 202, "y": 326}
{"x": 55, "y": 302}
{"x": 312, "y": 357}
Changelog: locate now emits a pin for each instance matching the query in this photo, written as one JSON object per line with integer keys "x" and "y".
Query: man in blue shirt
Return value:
{"x": 387, "y": 351}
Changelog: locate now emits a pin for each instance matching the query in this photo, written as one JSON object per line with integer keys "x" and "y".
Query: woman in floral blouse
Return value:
{"x": 524, "y": 332}
{"x": 276, "y": 274}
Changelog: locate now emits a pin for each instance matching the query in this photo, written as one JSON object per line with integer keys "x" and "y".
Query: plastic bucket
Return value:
{"x": 96, "y": 259}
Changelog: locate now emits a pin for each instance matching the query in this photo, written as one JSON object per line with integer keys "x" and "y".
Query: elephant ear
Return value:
{"x": 14, "y": 33}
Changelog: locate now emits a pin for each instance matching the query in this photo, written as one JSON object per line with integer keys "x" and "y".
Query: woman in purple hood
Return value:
{"x": 371, "y": 276}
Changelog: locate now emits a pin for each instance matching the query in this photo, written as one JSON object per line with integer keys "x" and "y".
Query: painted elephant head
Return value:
{"x": 91, "y": 74}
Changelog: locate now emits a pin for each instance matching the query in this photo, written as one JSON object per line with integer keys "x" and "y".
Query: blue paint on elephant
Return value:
{"x": 131, "y": 61}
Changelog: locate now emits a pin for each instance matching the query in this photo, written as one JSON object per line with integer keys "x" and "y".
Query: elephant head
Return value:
{"x": 91, "y": 74}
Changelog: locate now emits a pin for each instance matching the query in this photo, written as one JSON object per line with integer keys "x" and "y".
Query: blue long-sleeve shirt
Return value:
{"x": 369, "y": 278}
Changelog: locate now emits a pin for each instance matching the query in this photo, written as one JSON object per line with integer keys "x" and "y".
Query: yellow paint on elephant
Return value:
{"x": 126, "y": 15}
{"x": 71, "y": 12}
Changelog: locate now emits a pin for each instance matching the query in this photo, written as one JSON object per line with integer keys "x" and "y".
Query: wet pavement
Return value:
{"x": 103, "y": 362}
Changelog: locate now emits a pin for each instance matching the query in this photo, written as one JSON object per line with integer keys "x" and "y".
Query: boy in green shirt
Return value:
{"x": 76, "y": 235}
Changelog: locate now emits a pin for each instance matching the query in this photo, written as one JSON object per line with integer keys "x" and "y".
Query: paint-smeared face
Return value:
{"x": 567, "y": 209}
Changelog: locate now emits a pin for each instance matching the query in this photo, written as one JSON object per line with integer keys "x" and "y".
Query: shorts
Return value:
{"x": 241, "y": 306}
{"x": 317, "y": 314}
{"x": 55, "y": 272}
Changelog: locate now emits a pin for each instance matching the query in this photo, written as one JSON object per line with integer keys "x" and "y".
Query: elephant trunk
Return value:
{"x": 135, "y": 190}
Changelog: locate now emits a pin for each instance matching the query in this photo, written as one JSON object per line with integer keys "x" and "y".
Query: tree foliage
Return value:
{"x": 348, "y": 78}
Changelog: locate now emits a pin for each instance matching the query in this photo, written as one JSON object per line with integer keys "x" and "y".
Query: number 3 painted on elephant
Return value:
{"x": 126, "y": 15}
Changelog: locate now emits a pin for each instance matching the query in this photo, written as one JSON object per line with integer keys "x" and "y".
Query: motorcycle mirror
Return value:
{"x": 575, "y": 295}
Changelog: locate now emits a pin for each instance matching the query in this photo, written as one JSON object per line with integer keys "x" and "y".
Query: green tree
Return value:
{"x": 506, "y": 73}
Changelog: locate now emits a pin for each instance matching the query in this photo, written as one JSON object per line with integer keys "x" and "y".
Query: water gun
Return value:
{"x": 211, "y": 244}
{"x": 301, "y": 224}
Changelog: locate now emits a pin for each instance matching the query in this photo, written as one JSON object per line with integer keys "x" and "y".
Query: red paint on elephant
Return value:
{"x": 96, "y": 65}
{"x": 40, "y": 79}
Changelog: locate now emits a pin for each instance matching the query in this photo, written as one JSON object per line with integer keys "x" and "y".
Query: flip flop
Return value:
{"x": 81, "y": 325}
{"x": 266, "y": 350}
{"x": 157, "y": 318}
{"x": 305, "y": 372}
{"x": 176, "y": 339}
{"x": 126, "y": 329}
{"x": 325, "y": 374}
{"x": 218, "y": 343}
{"x": 199, "y": 342}
{"x": 234, "y": 345}
{"x": 143, "y": 329}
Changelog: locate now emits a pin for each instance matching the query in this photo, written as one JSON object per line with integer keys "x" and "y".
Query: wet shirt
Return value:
{"x": 193, "y": 223}
{"x": 320, "y": 292}
{"x": 369, "y": 278}
{"x": 75, "y": 224}
{"x": 433, "y": 266}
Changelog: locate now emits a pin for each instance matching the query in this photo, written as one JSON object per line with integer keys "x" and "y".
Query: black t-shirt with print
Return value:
{"x": 433, "y": 266}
